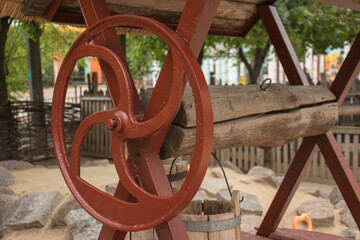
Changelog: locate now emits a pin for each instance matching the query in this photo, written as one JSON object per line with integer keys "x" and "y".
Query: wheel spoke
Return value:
{"x": 122, "y": 76}
{"x": 79, "y": 137}
{"x": 169, "y": 110}
{"x": 125, "y": 175}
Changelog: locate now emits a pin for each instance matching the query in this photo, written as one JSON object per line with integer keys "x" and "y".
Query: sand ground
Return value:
{"x": 48, "y": 178}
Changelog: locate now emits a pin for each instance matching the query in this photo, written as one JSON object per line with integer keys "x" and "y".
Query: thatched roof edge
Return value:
{"x": 13, "y": 9}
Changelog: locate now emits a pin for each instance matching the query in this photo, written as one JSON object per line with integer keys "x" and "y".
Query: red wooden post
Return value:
{"x": 328, "y": 146}
{"x": 282, "y": 45}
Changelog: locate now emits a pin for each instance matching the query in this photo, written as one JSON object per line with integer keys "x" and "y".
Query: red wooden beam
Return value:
{"x": 328, "y": 146}
{"x": 288, "y": 187}
{"x": 347, "y": 73}
{"x": 342, "y": 174}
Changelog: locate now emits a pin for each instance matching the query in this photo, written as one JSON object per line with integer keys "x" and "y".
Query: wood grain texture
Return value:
{"x": 231, "y": 14}
{"x": 232, "y": 102}
{"x": 225, "y": 234}
{"x": 235, "y": 208}
{"x": 262, "y": 130}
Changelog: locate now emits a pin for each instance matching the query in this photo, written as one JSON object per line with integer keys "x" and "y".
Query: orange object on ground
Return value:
{"x": 302, "y": 218}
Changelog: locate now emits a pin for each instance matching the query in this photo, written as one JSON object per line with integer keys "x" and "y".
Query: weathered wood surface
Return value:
{"x": 232, "y": 102}
{"x": 231, "y": 15}
{"x": 247, "y": 116}
{"x": 211, "y": 211}
{"x": 268, "y": 130}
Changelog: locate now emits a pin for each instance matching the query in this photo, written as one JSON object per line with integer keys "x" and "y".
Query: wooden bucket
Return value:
{"x": 213, "y": 219}
{"x": 208, "y": 219}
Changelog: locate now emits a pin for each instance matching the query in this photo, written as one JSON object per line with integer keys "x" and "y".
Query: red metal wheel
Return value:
{"x": 116, "y": 213}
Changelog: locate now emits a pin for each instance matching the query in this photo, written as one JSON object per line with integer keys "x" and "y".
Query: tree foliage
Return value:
{"x": 142, "y": 52}
{"x": 53, "y": 39}
{"x": 309, "y": 25}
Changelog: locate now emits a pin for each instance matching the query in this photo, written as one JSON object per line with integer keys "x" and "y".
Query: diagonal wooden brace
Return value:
{"x": 327, "y": 143}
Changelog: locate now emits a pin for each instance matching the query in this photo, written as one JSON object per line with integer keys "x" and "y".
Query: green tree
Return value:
{"x": 8, "y": 131}
{"x": 5, "y": 23}
{"x": 53, "y": 39}
{"x": 142, "y": 52}
{"x": 308, "y": 24}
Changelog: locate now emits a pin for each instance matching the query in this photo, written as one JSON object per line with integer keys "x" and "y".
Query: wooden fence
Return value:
{"x": 98, "y": 141}
{"x": 25, "y": 130}
{"x": 281, "y": 157}
{"x": 243, "y": 157}
{"x": 98, "y": 144}
{"x": 349, "y": 113}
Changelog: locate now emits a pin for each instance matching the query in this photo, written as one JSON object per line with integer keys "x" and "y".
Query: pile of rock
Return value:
{"x": 40, "y": 209}
{"x": 322, "y": 210}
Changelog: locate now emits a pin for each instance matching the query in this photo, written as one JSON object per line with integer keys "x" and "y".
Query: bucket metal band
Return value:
{"x": 213, "y": 226}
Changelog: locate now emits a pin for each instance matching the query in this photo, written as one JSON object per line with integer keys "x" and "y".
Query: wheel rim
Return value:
{"x": 116, "y": 213}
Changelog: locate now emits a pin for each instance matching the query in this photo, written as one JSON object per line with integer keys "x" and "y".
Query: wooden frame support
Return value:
{"x": 327, "y": 143}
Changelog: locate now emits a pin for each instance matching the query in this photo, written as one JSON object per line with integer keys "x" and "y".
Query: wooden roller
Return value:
{"x": 247, "y": 116}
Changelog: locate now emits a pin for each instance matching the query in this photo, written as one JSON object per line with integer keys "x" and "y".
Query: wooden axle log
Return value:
{"x": 248, "y": 116}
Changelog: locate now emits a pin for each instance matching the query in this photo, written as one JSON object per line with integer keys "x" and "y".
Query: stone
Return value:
{"x": 217, "y": 173}
{"x": 16, "y": 165}
{"x": 348, "y": 233}
{"x": 314, "y": 191}
{"x": 111, "y": 188}
{"x": 96, "y": 163}
{"x": 6, "y": 179}
{"x": 261, "y": 174}
{"x": 213, "y": 185}
{"x": 343, "y": 211}
{"x": 258, "y": 171}
{"x": 6, "y": 191}
{"x": 69, "y": 204}
{"x": 277, "y": 180}
{"x": 82, "y": 225}
{"x": 341, "y": 204}
{"x": 200, "y": 195}
{"x": 323, "y": 195}
{"x": 228, "y": 164}
{"x": 250, "y": 204}
{"x": 320, "y": 211}
{"x": 244, "y": 181}
{"x": 347, "y": 219}
{"x": 250, "y": 222}
{"x": 33, "y": 210}
{"x": 6, "y": 203}
{"x": 2, "y": 230}
{"x": 224, "y": 195}
{"x": 335, "y": 196}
